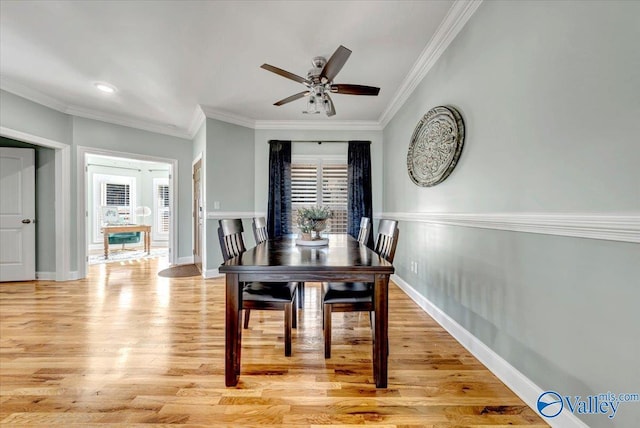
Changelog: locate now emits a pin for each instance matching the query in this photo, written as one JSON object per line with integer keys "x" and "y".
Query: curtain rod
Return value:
{"x": 317, "y": 141}
{"x": 113, "y": 166}
{"x": 126, "y": 167}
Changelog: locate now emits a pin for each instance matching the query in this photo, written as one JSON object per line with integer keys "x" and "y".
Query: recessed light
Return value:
{"x": 105, "y": 87}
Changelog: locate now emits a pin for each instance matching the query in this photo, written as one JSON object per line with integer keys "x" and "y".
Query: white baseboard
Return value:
{"x": 514, "y": 379}
{"x": 46, "y": 276}
{"x": 212, "y": 273}
{"x": 53, "y": 276}
{"x": 184, "y": 260}
{"x": 73, "y": 275}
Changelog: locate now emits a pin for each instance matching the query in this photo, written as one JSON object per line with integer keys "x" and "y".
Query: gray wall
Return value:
{"x": 229, "y": 179}
{"x": 550, "y": 95}
{"x": 45, "y": 205}
{"x": 32, "y": 118}
{"x": 101, "y": 135}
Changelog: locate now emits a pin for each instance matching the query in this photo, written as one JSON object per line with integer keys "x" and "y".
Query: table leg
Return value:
{"x": 147, "y": 241}
{"x": 106, "y": 244}
{"x": 233, "y": 332}
{"x": 381, "y": 327}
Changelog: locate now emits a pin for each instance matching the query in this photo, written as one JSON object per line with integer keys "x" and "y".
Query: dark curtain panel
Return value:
{"x": 279, "y": 210}
{"x": 359, "y": 187}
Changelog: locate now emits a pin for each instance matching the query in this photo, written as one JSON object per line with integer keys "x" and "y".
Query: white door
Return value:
{"x": 17, "y": 215}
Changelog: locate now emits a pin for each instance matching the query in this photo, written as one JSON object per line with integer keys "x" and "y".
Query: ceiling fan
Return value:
{"x": 319, "y": 82}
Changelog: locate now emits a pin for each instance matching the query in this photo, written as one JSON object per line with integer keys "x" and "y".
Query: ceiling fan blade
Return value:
{"x": 354, "y": 89}
{"x": 331, "y": 111}
{"x": 286, "y": 74}
{"x": 292, "y": 98}
{"x": 335, "y": 63}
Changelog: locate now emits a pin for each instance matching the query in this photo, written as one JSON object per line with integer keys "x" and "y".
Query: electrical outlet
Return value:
{"x": 216, "y": 205}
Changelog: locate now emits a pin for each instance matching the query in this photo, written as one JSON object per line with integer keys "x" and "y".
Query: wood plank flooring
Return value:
{"x": 125, "y": 348}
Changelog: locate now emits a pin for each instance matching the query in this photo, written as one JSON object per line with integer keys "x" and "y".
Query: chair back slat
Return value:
{"x": 365, "y": 230}
{"x": 260, "y": 229}
{"x": 230, "y": 236}
{"x": 387, "y": 239}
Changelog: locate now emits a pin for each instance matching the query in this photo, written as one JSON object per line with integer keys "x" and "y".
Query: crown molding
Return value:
{"x": 622, "y": 227}
{"x": 212, "y": 113}
{"x": 32, "y": 95}
{"x": 325, "y": 125}
{"x": 196, "y": 121}
{"x": 127, "y": 121}
{"x": 301, "y": 125}
{"x": 455, "y": 20}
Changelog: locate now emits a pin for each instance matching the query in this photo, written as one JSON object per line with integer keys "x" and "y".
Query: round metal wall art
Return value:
{"x": 435, "y": 146}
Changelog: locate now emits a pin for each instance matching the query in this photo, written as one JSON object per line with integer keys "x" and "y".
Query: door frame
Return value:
{"x": 62, "y": 186}
{"x": 203, "y": 247}
{"x": 83, "y": 206}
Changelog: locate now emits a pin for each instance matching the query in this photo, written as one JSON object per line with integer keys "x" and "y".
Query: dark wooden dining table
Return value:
{"x": 280, "y": 259}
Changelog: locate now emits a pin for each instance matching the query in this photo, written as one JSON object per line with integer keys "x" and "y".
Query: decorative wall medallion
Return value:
{"x": 435, "y": 146}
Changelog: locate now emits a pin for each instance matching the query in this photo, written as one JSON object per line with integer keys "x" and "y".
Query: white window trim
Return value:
{"x": 98, "y": 181}
{"x": 156, "y": 234}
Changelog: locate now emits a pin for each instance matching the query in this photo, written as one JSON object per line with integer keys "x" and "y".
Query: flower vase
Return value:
{"x": 319, "y": 227}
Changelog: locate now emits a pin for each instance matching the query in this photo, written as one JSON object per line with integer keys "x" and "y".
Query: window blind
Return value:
{"x": 117, "y": 194}
{"x": 162, "y": 223}
{"x": 320, "y": 184}
{"x": 334, "y": 195}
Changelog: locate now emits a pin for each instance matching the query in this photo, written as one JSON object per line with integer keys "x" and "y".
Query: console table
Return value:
{"x": 119, "y": 228}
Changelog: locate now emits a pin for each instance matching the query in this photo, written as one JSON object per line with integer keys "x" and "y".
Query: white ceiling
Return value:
{"x": 168, "y": 57}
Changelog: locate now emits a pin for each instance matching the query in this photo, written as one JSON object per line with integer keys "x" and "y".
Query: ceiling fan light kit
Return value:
{"x": 319, "y": 83}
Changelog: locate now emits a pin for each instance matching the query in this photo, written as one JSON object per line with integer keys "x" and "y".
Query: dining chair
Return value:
{"x": 365, "y": 230}
{"x": 356, "y": 296}
{"x": 259, "y": 226}
{"x": 259, "y": 295}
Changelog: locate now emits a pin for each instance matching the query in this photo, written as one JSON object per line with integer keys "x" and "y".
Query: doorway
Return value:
{"x": 121, "y": 189}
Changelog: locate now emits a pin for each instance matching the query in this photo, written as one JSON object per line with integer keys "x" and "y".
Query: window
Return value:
{"x": 118, "y": 195}
{"x": 316, "y": 181}
{"x": 114, "y": 191}
{"x": 161, "y": 208}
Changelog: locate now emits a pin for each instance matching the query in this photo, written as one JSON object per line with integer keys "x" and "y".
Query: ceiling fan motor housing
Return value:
{"x": 318, "y": 63}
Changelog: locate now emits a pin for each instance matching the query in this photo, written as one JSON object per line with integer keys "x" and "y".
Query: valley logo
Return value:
{"x": 550, "y": 404}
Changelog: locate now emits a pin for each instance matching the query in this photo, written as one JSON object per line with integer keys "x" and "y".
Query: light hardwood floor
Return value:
{"x": 126, "y": 347}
